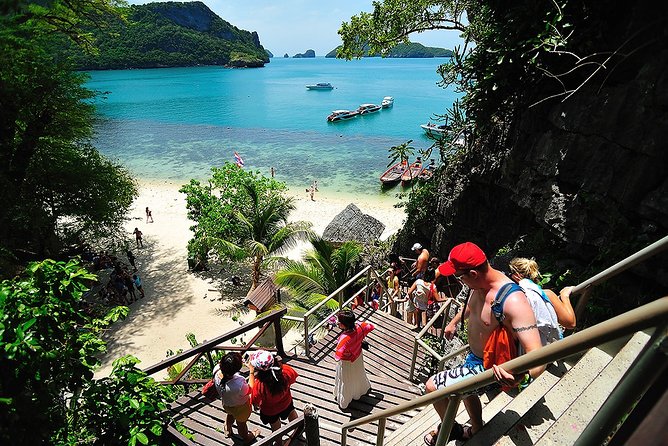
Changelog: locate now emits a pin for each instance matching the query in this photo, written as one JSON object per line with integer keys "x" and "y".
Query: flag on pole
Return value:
{"x": 238, "y": 160}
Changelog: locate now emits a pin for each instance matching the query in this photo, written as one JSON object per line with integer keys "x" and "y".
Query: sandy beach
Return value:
{"x": 177, "y": 301}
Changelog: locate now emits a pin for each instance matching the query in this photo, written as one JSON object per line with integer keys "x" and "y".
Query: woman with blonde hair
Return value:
{"x": 526, "y": 273}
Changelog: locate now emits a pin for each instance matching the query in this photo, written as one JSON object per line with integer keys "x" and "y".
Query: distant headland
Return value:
{"x": 407, "y": 50}
{"x": 171, "y": 34}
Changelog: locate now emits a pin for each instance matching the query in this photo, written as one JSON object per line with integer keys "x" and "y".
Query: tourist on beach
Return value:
{"x": 273, "y": 171}
{"x": 138, "y": 237}
{"x": 550, "y": 310}
{"x": 468, "y": 263}
{"x": 351, "y": 382}
{"x": 311, "y": 192}
{"x": 270, "y": 383}
{"x": 149, "y": 215}
{"x": 419, "y": 267}
{"x": 130, "y": 285}
{"x": 137, "y": 281}
{"x": 235, "y": 393}
{"x": 131, "y": 259}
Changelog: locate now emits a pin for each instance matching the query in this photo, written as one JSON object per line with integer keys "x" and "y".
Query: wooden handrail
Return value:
{"x": 208, "y": 345}
{"x": 649, "y": 315}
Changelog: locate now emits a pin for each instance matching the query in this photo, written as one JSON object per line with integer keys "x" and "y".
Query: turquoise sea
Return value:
{"x": 175, "y": 123}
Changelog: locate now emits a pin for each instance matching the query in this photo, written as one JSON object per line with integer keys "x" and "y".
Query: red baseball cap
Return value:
{"x": 465, "y": 256}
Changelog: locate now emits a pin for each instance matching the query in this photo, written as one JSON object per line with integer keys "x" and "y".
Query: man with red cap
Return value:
{"x": 468, "y": 263}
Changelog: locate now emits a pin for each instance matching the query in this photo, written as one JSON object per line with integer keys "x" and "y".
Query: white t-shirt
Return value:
{"x": 421, "y": 294}
{"x": 546, "y": 317}
{"x": 234, "y": 391}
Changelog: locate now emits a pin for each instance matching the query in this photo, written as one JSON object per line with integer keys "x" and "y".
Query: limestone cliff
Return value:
{"x": 583, "y": 182}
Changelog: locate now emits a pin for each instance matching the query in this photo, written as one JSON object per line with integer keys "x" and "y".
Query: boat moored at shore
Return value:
{"x": 412, "y": 172}
{"x": 393, "y": 175}
{"x": 320, "y": 86}
{"x": 342, "y": 115}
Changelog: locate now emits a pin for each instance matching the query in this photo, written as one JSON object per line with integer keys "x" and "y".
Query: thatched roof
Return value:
{"x": 263, "y": 297}
{"x": 352, "y": 224}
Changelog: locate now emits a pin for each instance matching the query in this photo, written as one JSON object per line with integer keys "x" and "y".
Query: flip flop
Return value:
{"x": 431, "y": 437}
{"x": 255, "y": 433}
{"x": 461, "y": 433}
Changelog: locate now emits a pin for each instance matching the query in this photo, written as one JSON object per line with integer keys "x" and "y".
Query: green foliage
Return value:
{"x": 128, "y": 407}
{"x": 55, "y": 189}
{"x": 168, "y": 34}
{"x": 405, "y": 50}
{"x": 241, "y": 215}
{"x": 323, "y": 270}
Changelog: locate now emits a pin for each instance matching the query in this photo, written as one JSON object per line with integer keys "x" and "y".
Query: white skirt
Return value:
{"x": 351, "y": 381}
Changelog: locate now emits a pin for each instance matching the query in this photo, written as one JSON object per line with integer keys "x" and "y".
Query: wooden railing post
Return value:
{"x": 311, "y": 427}
{"x": 279, "y": 337}
{"x": 367, "y": 295}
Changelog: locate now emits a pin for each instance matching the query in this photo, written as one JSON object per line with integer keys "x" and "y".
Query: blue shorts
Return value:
{"x": 471, "y": 367}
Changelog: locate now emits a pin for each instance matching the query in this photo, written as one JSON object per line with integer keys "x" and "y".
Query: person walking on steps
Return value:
{"x": 351, "y": 382}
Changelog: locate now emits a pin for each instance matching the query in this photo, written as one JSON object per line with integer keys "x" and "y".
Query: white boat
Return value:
{"x": 388, "y": 101}
{"x": 320, "y": 86}
{"x": 434, "y": 130}
{"x": 368, "y": 108}
{"x": 341, "y": 115}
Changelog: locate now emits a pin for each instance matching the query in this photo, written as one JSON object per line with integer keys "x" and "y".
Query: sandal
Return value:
{"x": 431, "y": 437}
{"x": 461, "y": 433}
{"x": 254, "y": 434}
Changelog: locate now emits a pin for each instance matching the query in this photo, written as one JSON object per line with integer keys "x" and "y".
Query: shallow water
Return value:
{"x": 174, "y": 124}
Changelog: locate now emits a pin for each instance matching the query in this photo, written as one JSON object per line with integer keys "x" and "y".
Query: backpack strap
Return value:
{"x": 501, "y": 295}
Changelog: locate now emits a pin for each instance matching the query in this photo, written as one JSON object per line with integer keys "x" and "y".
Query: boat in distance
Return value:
{"x": 388, "y": 101}
{"x": 393, "y": 175}
{"x": 368, "y": 108}
{"x": 434, "y": 130}
{"x": 320, "y": 86}
{"x": 412, "y": 172}
{"x": 342, "y": 115}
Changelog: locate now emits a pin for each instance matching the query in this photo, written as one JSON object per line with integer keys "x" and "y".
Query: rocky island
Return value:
{"x": 305, "y": 54}
{"x": 171, "y": 34}
{"x": 406, "y": 50}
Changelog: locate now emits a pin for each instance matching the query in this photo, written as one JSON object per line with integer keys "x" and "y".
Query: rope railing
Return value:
{"x": 651, "y": 315}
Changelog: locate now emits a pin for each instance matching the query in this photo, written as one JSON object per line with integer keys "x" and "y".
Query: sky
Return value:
{"x": 294, "y": 26}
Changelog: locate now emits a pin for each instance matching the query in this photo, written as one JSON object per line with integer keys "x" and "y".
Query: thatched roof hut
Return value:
{"x": 352, "y": 224}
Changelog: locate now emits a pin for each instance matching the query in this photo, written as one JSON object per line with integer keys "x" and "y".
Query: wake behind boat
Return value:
{"x": 320, "y": 86}
{"x": 342, "y": 115}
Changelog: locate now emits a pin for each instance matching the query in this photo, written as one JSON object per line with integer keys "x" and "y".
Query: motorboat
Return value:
{"x": 320, "y": 86}
{"x": 388, "y": 101}
{"x": 393, "y": 175}
{"x": 368, "y": 108}
{"x": 342, "y": 115}
{"x": 435, "y": 130}
{"x": 412, "y": 172}
{"x": 427, "y": 171}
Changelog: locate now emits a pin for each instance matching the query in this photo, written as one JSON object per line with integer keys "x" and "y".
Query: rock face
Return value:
{"x": 305, "y": 54}
{"x": 585, "y": 179}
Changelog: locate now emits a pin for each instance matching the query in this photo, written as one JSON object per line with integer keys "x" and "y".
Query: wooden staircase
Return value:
{"x": 553, "y": 410}
{"x": 387, "y": 363}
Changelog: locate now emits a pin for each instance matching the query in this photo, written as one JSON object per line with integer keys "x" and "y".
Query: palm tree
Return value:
{"x": 266, "y": 230}
{"x": 323, "y": 269}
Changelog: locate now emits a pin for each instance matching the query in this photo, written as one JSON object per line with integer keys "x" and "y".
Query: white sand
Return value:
{"x": 177, "y": 301}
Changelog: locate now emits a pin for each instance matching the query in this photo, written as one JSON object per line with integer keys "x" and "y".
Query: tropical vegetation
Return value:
{"x": 49, "y": 344}
{"x": 56, "y": 190}
{"x": 168, "y": 34}
{"x": 241, "y": 215}
{"x": 323, "y": 270}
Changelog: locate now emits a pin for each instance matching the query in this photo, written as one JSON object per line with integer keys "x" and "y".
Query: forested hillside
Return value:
{"x": 406, "y": 50}
{"x": 170, "y": 34}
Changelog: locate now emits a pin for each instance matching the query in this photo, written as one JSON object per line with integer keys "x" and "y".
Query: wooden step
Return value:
{"x": 569, "y": 426}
